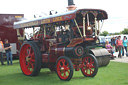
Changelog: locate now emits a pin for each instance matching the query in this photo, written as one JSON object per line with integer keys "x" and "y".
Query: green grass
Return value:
{"x": 114, "y": 74}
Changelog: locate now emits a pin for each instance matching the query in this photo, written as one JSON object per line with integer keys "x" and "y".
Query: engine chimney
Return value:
{"x": 71, "y": 5}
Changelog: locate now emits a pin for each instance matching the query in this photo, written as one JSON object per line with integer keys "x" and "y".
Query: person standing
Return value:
{"x": 116, "y": 48}
{"x": 125, "y": 44}
{"x": 7, "y": 48}
{"x": 1, "y": 52}
{"x": 119, "y": 44}
{"x": 112, "y": 41}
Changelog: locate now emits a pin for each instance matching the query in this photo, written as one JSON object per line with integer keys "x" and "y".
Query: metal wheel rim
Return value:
{"x": 88, "y": 66}
{"x": 63, "y": 69}
{"x": 27, "y": 59}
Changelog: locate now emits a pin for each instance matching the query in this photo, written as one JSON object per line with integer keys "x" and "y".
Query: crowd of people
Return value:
{"x": 7, "y": 47}
{"x": 117, "y": 45}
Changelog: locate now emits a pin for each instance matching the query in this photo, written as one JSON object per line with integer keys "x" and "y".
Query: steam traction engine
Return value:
{"x": 64, "y": 42}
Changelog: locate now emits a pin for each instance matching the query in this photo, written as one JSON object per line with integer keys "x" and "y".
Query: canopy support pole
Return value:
{"x": 95, "y": 27}
{"x": 78, "y": 28}
{"x": 84, "y": 26}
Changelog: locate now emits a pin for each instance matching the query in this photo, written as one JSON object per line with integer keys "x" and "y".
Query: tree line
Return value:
{"x": 105, "y": 33}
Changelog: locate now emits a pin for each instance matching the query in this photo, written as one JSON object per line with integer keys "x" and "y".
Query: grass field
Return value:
{"x": 114, "y": 74}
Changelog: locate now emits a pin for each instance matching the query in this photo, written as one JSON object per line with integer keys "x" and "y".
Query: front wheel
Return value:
{"x": 89, "y": 66}
{"x": 64, "y": 68}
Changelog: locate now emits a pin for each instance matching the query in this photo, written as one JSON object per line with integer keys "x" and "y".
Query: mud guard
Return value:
{"x": 102, "y": 55}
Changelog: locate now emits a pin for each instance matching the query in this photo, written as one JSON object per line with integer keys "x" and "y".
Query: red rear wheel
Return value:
{"x": 89, "y": 66}
{"x": 64, "y": 68}
{"x": 30, "y": 59}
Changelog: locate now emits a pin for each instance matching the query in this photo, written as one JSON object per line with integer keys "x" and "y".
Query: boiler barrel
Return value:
{"x": 71, "y": 52}
{"x": 74, "y": 52}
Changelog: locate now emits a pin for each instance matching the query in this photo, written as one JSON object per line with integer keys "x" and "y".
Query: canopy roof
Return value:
{"x": 69, "y": 15}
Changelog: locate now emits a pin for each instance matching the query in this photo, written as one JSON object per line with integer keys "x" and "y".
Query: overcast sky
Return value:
{"x": 117, "y": 9}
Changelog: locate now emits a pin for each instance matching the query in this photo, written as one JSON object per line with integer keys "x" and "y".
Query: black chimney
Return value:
{"x": 70, "y": 2}
{"x": 71, "y": 5}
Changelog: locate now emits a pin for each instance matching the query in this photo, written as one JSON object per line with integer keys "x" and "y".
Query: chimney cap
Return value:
{"x": 70, "y": 2}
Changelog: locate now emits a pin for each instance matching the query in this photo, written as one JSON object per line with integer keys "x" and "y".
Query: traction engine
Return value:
{"x": 64, "y": 42}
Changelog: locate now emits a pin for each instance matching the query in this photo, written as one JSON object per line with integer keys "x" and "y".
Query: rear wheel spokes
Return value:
{"x": 30, "y": 58}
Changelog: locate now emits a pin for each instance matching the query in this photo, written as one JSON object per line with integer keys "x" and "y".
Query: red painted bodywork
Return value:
{"x": 56, "y": 50}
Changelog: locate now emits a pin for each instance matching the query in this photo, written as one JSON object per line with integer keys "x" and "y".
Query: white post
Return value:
{"x": 55, "y": 30}
{"x": 23, "y": 33}
{"x": 84, "y": 26}
{"x": 98, "y": 25}
{"x": 95, "y": 27}
{"x": 88, "y": 19}
{"x": 44, "y": 32}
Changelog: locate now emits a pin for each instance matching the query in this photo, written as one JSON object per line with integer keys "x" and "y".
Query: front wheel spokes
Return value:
{"x": 63, "y": 61}
{"x": 68, "y": 71}
{"x": 65, "y": 74}
{"x": 91, "y": 71}
{"x": 60, "y": 66}
{"x": 87, "y": 66}
{"x": 87, "y": 70}
{"x": 91, "y": 63}
{"x": 64, "y": 69}
{"x": 86, "y": 60}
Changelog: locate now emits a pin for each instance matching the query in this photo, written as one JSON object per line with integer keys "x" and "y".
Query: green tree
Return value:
{"x": 104, "y": 33}
{"x": 125, "y": 31}
{"x": 116, "y": 33}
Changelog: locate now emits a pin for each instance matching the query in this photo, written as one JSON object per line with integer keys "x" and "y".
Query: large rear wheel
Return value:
{"x": 64, "y": 68}
{"x": 30, "y": 58}
{"x": 89, "y": 66}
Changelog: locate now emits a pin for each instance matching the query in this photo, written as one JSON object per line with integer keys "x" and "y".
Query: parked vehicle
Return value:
{"x": 103, "y": 39}
{"x": 8, "y": 32}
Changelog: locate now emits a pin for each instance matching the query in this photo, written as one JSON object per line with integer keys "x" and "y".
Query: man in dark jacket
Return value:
{"x": 7, "y": 48}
